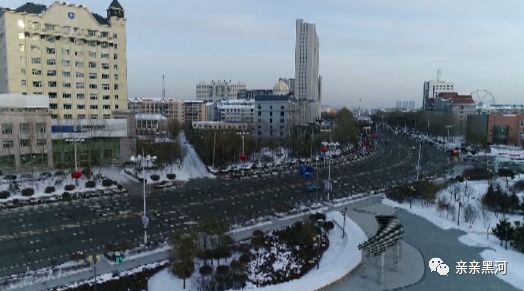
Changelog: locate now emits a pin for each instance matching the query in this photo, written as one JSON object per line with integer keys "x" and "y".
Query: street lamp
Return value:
{"x": 145, "y": 219}
{"x": 75, "y": 141}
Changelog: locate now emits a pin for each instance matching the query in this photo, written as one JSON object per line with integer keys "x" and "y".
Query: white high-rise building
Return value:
{"x": 307, "y": 80}
{"x": 218, "y": 90}
{"x": 432, "y": 89}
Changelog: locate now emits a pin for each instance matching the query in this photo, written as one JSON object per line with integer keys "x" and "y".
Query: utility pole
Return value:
{"x": 344, "y": 224}
{"x": 214, "y": 147}
{"x": 418, "y": 163}
{"x": 145, "y": 220}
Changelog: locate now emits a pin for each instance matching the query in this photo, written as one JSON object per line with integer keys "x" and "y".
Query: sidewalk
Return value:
{"x": 410, "y": 267}
{"x": 103, "y": 266}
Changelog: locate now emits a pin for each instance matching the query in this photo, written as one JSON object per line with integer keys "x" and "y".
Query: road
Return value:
{"x": 35, "y": 237}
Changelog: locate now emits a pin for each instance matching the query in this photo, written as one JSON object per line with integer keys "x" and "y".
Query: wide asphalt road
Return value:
{"x": 35, "y": 237}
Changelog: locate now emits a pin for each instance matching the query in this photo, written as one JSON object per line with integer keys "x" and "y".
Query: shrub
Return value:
{"x": 4, "y": 194}
{"x": 155, "y": 177}
{"x": 107, "y": 182}
{"x": 66, "y": 196}
{"x": 28, "y": 192}
{"x": 222, "y": 270}
{"x": 119, "y": 187}
{"x": 49, "y": 189}
{"x": 244, "y": 259}
{"x": 69, "y": 187}
{"x": 328, "y": 225}
{"x": 518, "y": 186}
{"x": 171, "y": 176}
{"x": 90, "y": 184}
{"x": 476, "y": 174}
{"x": 206, "y": 270}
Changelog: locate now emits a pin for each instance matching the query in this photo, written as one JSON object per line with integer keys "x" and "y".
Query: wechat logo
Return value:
{"x": 437, "y": 265}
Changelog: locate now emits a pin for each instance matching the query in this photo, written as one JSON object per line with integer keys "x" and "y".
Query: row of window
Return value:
{"x": 66, "y": 29}
{"x": 24, "y": 128}
{"x": 69, "y": 106}
{"x": 24, "y": 143}
{"x": 67, "y": 52}
{"x": 67, "y": 74}
{"x": 52, "y": 84}
{"x": 81, "y": 116}
{"x": 92, "y": 96}
{"x": 79, "y": 42}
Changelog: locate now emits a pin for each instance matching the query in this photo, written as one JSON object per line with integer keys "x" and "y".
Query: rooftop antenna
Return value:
{"x": 163, "y": 87}
{"x": 439, "y": 74}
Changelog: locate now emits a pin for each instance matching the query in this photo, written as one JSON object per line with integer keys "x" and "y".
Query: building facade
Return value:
{"x": 431, "y": 91}
{"x": 406, "y": 105}
{"x": 182, "y": 111}
{"x": 219, "y": 125}
{"x": 151, "y": 125}
{"x": 506, "y": 128}
{"x": 273, "y": 115}
{"x": 307, "y": 87}
{"x": 76, "y": 57}
{"x": 218, "y": 90}
{"x": 460, "y": 107}
{"x": 236, "y": 111}
{"x": 25, "y": 133}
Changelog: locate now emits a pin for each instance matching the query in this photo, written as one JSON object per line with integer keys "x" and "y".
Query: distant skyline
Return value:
{"x": 379, "y": 51}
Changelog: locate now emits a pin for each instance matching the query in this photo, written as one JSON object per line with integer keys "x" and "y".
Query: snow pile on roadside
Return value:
{"x": 340, "y": 258}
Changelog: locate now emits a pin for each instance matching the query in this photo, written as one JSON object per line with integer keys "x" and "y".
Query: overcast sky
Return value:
{"x": 376, "y": 50}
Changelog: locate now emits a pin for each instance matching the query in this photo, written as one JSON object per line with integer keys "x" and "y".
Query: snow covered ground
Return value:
{"x": 476, "y": 232}
{"x": 507, "y": 153}
{"x": 340, "y": 258}
{"x": 191, "y": 166}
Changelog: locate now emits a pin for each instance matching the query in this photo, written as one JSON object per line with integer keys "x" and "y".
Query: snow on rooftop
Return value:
{"x": 24, "y": 101}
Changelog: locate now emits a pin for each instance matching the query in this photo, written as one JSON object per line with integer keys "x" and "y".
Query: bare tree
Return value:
{"x": 486, "y": 220}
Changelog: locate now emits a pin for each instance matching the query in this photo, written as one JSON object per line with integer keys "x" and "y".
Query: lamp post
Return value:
{"x": 75, "y": 141}
{"x": 344, "y": 224}
{"x": 145, "y": 219}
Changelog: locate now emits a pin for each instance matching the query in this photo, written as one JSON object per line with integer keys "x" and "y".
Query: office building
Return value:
{"x": 273, "y": 116}
{"x": 307, "y": 87}
{"x": 25, "y": 137}
{"x": 218, "y": 90}
{"x": 506, "y": 128}
{"x": 236, "y": 111}
{"x": 182, "y": 111}
{"x": 432, "y": 89}
{"x": 76, "y": 57}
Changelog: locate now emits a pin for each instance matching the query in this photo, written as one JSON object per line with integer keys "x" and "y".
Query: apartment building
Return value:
{"x": 76, "y": 57}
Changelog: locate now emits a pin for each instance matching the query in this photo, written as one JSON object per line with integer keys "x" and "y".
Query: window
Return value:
{"x": 104, "y": 34}
{"x": 115, "y": 67}
{"x": 92, "y": 65}
{"x": 66, "y": 63}
{"x": 105, "y": 66}
{"x": 105, "y": 77}
{"x": 66, "y": 51}
{"x": 93, "y": 116}
{"x": 54, "y": 116}
{"x": 21, "y": 36}
{"x": 66, "y": 95}
{"x": 24, "y": 128}
{"x": 116, "y": 86}
{"x": 49, "y": 27}
{"x": 24, "y": 143}
{"x": 80, "y": 96}
{"x": 116, "y": 97}
{"x": 107, "y": 116}
{"x": 41, "y": 142}
{"x": 8, "y": 144}
{"x": 67, "y": 106}
{"x": 7, "y": 128}
{"x": 37, "y": 72}
{"x": 93, "y": 76}
{"x": 40, "y": 127}
{"x": 80, "y": 106}
{"x": 68, "y": 116}
{"x": 92, "y": 54}
{"x": 105, "y": 86}
{"x": 37, "y": 84}
{"x": 116, "y": 77}
{"x": 91, "y": 32}
{"x": 66, "y": 85}
{"x": 93, "y": 86}
{"x": 51, "y": 73}
{"x": 81, "y": 116}
{"x": 93, "y": 97}
{"x": 53, "y": 106}
{"x": 66, "y": 29}
{"x": 93, "y": 106}
{"x": 35, "y": 25}
{"x": 24, "y": 82}
{"x": 79, "y": 64}
{"x": 22, "y": 48}
{"x": 51, "y": 84}
{"x": 50, "y": 39}
{"x": 51, "y": 62}
{"x": 107, "y": 107}
{"x": 115, "y": 57}
{"x": 52, "y": 95}
{"x": 80, "y": 85}
{"x": 104, "y": 56}
{"x": 66, "y": 74}
{"x": 92, "y": 43}
{"x": 116, "y": 106}
{"x": 51, "y": 51}
{"x": 105, "y": 97}
{"x": 79, "y": 75}
{"x": 36, "y": 60}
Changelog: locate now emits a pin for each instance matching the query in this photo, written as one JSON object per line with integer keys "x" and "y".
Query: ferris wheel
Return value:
{"x": 483, "y": 97}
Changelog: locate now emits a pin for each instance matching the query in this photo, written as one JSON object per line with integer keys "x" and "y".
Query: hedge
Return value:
{"x": 90, "y": 184}
{"x": 155, "y": 177}
{"x": 49, "y": 189}
{"x": 69, "y": 187}
{"x": 28, "y": 192}
{"x": 4, "y": 194}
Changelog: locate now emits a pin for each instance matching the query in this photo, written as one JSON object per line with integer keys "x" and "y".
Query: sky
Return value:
{"x": 376, "y": 51}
